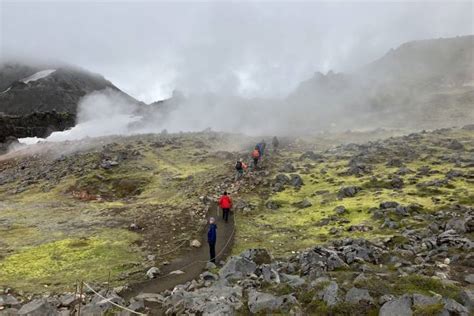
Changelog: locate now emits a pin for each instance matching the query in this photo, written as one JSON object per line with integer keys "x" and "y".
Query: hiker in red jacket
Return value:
{"x": 225, "y": 203}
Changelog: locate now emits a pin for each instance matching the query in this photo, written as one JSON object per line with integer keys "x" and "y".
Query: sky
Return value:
{"x": 252, "y": 49}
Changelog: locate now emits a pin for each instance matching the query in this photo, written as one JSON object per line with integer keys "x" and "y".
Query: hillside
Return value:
{"x": 28, "y": 89}
{"x": 345, "y": 224}
{"x": 36, "y": 100}
{"x": 427, "y": 83}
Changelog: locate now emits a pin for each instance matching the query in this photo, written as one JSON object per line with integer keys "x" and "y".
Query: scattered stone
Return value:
{"x": 311, "y": 156}
{"x": 356, "y": 296}
{"x": 257, "y": 255}
{"x": 176, "y": 272}
{"x": 288, "y": 168}
{"x": 467, "y": 298}
{"x": 292, "y": 280}
{"x": 38, "y": 307}
{"x": 387, "y": 205}
{"x": 296, "y": 180}
{"x": 195, "y": 243}
{"x": 350, "y": 191}
{"x": 69, "y": 299}
{"x": 237, "y": 268}
{"x": 397, "y": 307}
{"x": 303, "y": 204}
{"x": 455, "y": 145}
{"x": 272, "y": 205}
{"x": 210, "y": 266}
{"x": 259, "y": 301}
{"x": 469, "y": 278}
{"x": 153, "y": 272}
{"x": 329, "y": 294}
{"x": 340, "y": 210}
{"x": 9, "y": 300}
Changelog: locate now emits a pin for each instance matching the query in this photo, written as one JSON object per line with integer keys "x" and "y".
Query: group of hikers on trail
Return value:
{"x": 257, "y": 155}
{"x": 225, "y": 201}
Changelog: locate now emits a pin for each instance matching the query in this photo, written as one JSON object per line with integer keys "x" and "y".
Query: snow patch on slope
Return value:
{"x": 37, "y": 76}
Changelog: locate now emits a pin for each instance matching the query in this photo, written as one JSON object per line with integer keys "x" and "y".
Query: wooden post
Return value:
{"x": 108, "y": 285}
{"x": 80, "y": 298}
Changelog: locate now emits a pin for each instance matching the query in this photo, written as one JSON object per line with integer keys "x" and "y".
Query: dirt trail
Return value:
{"x": 192, "y": 262}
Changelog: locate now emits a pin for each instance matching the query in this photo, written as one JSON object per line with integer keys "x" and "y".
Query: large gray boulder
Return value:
{"x": 264, "y": 302}
{"x": 214, "y": 300}
{"x": 329, "y": 294}
{"x": 451, "y": 307}
{"x": 397, "y": 307}
{"x": 467, "y": 298}
{"x": 38, "y": 307}
{"x": 237, "y": 267}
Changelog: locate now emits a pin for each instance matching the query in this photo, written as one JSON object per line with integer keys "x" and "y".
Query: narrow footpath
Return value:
{"x": 192, "y": 262}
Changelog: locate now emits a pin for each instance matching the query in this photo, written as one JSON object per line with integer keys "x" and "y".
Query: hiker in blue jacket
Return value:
{"x": 212, "y": 238}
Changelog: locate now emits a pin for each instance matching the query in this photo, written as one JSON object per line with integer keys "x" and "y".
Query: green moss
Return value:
{"x": 429, "y": 310}
{"x": 424, "y": 285}
{"x": 60, "y": 264}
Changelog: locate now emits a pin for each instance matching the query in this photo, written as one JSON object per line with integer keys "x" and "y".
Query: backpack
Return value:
{"x": 255, "y": 153}
{"x": 238, "y": 165}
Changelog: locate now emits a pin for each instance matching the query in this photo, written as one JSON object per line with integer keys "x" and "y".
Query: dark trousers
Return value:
{"x": 212, "y": 250}
{"x": 225, "y": 214}
{"x": 255, "y": 162}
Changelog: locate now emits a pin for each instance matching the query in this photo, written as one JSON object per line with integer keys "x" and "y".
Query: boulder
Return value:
{"x": 303, "y": 204}
{"x": 264, "y": 302}
{"x": 340, "y": 210}
{"x": 469, "y": 278}
{"x": 451, "y": 307}
{"x": 467, "y": 298}
{"x": 282, "y": 178}
{"x": 272, "y": 205}
{"x": 296, "y": 180}
{"x": 420, "y": 300}
{"x": 357, "y": 296}
{"x": 287, "y": 168}
{"x": 9, "y": 300}
{"x": 349, "y": 191}
{"x": 213, "y": 300}
{"x": 389, "y": 204}
{"x": 257, "y": 255}
{"x": 329, "y": 294}
{"x": 311, "y": 156}
{"x": 397, "y": 307}
{"x": 237, "y": 267}
{"x": 69, "y": 299}
{"x": 455, "y": 145}
{"x": 38, "y": 307}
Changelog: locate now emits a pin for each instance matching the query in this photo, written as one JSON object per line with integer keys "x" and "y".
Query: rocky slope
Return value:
{"x": 381, "y": 227}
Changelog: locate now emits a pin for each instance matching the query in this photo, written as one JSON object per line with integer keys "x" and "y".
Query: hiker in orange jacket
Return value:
{"x": 225, "y": 203}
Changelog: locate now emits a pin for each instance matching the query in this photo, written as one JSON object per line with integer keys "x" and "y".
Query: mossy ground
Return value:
{"x": 52, "y": 236}
{"x": 290, "y": 229}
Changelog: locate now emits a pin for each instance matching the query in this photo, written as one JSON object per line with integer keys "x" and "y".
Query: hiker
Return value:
{"x": 239, "y": 168}
{"x": 212, "y": 238}
{"x": 264, "y": 145}
{"x": 225, "y": 203}
{"x": 260, "y": 147}
{"x": 255, "y": 157}
{"x": 275, "y": 143}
